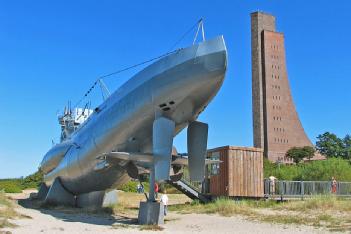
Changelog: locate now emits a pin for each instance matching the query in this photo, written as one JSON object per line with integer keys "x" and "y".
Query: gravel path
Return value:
{"x": 75, "y": 221}
{"x": 53, "y": 221}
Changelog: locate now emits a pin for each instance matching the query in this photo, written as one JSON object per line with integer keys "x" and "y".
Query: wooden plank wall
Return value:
{"x": 219, "y": 183}
{"x": 241, "y": 172}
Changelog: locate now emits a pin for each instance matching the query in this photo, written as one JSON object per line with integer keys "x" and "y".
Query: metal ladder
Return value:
{"x": 185, "y": 187}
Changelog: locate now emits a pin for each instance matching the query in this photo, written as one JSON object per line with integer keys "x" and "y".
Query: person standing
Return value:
{"x": 156, "y": 190}
{"x": 272, "y": 181}
{"x": 142, "y": 188}
{"x": 334, "y": 184}
{"x": 164, "y": 200}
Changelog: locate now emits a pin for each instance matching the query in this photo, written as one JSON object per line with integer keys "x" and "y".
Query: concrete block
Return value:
{"x": 151, "y": 213}
{"x": 110, "y": 198}
{"x": 97, "y": 199}
{"x": 58, "y": 195}
{"x": 90, "y": 200}
{"x": 43, "y": 191}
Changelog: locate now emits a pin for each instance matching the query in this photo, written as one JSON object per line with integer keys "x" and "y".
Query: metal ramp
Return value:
{"x": 189, "y": 190}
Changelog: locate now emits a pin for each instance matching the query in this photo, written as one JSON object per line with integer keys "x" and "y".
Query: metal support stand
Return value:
{"x": 152, "y": 185}
{"x": 151, "y": 212}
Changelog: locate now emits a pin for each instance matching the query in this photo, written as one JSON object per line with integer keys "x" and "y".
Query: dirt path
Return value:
{"x": 71, "y": 221}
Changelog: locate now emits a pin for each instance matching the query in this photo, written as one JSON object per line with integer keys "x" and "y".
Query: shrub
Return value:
{"x": 309, "y": 171}
{"x": 33, "y": 180}
{"x": 11, "y": 185}
{"x": 131, "y": 186}
{"x": 12, "y": 188}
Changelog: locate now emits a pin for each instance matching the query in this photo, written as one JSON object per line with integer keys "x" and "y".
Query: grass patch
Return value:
{"x": 222, "y": 206}
{"x": 121, "y": 226}
{"x": 4, "y": 223}
{"x": 7, "y": 212}
{"x": 153, "y": 227}
{"x": 17, "y": 185}
{"x": 11, "y": 185}
{"x": 319, "y": 211}
{"x": 170, "y": 219}
{"x": 128, "y": 202}
{"x": 283, "y": 219}
{"x": 321, "y": 202}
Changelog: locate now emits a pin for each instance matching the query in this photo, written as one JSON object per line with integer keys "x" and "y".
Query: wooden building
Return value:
{"x": 240, "y": 174}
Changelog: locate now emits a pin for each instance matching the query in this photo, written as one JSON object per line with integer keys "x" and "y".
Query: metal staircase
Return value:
{"x": 189, "y": 190}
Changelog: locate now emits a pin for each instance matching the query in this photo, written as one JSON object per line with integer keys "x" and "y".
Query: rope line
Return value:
{"x": 171, "y": 51}
{"x": 122, "y": 70}
{"x": 186, "y": 33}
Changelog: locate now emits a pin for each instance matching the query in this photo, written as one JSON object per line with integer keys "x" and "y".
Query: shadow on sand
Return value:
{"x": 71, "y": 214}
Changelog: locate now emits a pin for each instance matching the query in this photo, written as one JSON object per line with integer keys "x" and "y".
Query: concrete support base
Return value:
{"x": 110, "y": 198}
{"x": 58, "y": 195}
{"x": 151, "y": 213}
{"x": 90, "y": 200}
{"x": 97, "y": 199}
{"x": 43, "y": 191}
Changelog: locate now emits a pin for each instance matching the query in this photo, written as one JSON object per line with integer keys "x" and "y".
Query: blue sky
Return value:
{"x": 51, "y": 52}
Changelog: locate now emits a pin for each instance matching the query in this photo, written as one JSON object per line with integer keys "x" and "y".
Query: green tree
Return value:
{"x": 330, "y": 145}
{"x": 309, "y": 152}
{"x": 297, "y": 154}
{"x": 33, "y": 180}
{"x": 347, "y": 147}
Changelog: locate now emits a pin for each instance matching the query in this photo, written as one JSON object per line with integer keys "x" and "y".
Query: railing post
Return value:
{"x": 281, "y": 189}
{"x": 302, "y": 189}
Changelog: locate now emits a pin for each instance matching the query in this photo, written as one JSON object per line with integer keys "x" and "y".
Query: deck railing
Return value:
{"x": 301, "y": 189}
{"x": 186, "y": 178}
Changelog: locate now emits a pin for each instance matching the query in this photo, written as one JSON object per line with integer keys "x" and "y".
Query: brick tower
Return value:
{"x": 276, "y": 124}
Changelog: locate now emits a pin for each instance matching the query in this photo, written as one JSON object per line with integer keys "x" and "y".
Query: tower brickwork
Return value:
{"x": 259, "y": 22}
{"x": 276, "y": 124}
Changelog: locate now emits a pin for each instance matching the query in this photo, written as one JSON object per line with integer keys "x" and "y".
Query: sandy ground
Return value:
{"x": 56, "y": 221}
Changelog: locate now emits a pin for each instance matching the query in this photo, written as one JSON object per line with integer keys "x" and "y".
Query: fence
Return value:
{"x": 285, "y": 188}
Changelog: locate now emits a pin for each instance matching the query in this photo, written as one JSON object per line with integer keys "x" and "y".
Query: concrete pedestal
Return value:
{"x": 90, "y": 200}
{"x": 43, "y": 191}
{"x": 110, "y": 198}
{"x": 58, "y": 195}
{"x": 151, "y": 213}
{"x": 97, "y": 199}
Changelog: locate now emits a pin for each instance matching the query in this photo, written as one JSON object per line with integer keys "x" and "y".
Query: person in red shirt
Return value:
{"x": 156, "y": 190}
{"x": 334, "y": 185}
